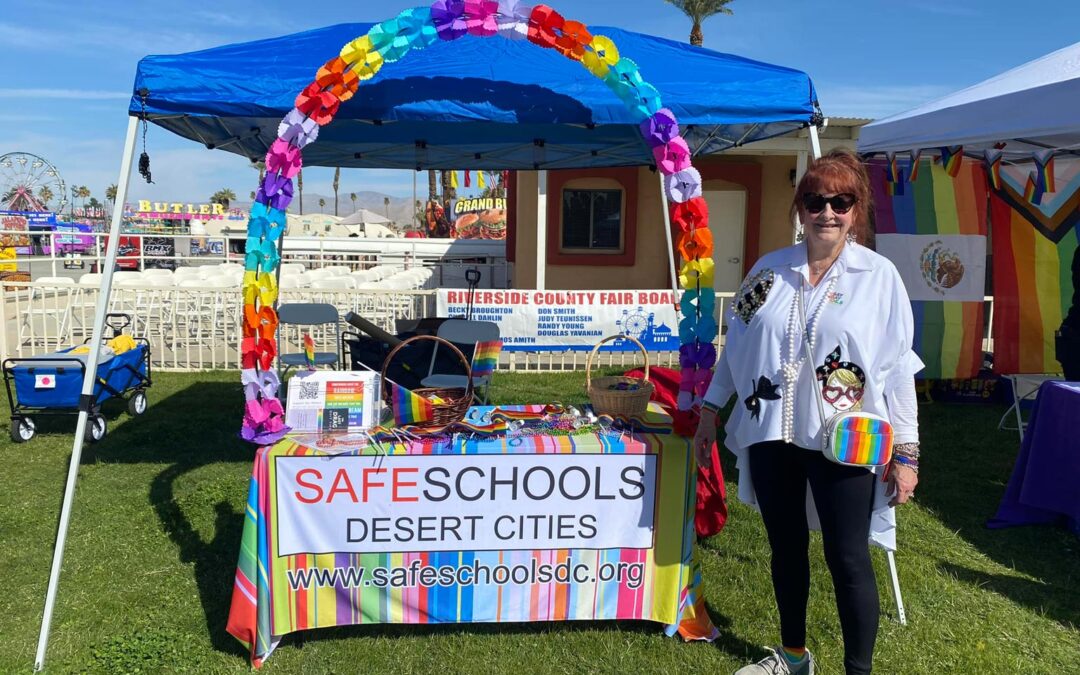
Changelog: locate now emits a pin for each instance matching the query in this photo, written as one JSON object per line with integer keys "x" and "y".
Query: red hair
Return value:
{"x": 839, "y": 170}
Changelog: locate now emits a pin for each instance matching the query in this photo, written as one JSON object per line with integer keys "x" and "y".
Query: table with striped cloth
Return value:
{"x": 267, "y": 603}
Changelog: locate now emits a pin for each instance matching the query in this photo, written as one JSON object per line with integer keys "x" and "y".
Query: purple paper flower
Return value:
{"x": 682, "y": 186}
{"x": 660, "y": 128}
{"x": 513, "y": 20}
{"x": 449, "y": 18}
{"x": 276, "y": 191}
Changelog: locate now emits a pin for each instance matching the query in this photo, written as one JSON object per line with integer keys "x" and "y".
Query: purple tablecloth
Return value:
{"x": 1045, "y": 484}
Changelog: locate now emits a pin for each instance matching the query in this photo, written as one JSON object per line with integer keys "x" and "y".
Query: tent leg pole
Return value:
{"x": 667, "y": 236}
{"x": 814, "y": 147}
{"x": 87, "y": 391}
{"x": 541, "y": 229}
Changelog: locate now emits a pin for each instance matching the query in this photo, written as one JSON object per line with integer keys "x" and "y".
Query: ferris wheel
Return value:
{"x": 634, "y": 323}
{"x": 30, "y": 183}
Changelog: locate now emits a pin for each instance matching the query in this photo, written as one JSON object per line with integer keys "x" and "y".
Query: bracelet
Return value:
{"x": 910, "y": 463}
{"x": 705, "y": 405}
{"x": 909, "y": 450}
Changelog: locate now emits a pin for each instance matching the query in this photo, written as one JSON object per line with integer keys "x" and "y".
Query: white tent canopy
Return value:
{"x": 365, "y": 217}
{"x": 1031, "y": 107}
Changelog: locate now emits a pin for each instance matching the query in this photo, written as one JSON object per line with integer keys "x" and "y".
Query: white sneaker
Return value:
{"x": 776, "y": 664}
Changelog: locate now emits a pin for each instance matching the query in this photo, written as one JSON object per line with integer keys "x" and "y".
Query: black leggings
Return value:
{"x": 843, "y": 496}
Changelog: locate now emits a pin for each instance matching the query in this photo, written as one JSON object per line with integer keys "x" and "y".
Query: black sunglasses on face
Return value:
{"x": 841, "y": 203}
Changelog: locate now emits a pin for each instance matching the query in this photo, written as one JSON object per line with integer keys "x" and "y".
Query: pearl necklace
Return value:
{"x": 791, "y": 366}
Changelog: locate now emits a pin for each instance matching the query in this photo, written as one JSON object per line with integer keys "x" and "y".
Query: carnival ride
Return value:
{"x": 31, "y": 183}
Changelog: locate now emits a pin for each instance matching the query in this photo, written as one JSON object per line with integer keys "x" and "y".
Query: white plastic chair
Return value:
{"x": 289, "y": 268}
{"x": 1025, "y": 389}
{"x": 49, "y": 304}
{"x": 338, "y": 270}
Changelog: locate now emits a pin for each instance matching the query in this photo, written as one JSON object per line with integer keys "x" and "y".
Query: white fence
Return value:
{"x": 196, "y": 324}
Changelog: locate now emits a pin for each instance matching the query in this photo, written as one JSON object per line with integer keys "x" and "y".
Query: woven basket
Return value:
{"x": 606, "y": 400}
{"x": 456, "y": 400}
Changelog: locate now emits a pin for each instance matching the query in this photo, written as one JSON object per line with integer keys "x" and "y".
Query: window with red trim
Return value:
{"x": 592, "y": 220}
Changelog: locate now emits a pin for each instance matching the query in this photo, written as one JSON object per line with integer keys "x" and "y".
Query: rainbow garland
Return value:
{"x": 445, "y": 20}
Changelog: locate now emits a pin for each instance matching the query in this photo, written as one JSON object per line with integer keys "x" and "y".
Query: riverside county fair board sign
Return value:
{"x": 534, "y": 320}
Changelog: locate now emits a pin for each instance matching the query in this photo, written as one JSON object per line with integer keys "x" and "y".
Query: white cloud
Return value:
{"x": 875, "y": 101}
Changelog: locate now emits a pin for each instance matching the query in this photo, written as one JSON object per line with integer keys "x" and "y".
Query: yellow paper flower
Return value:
{"x": 250, "y": 287}
{"x": 357, "y": 50}
{"x": 697, "y": 272}
{"x": 600, "y": 56}
{"x": 268, "y": 290}
{"x": 373, "y": 61}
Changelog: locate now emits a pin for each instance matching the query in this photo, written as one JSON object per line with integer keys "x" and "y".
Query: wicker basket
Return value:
{"x": 605, "y": 399}
{"x": 456, "y": 401}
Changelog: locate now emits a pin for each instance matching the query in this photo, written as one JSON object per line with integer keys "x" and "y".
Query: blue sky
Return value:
{"x": 67, "y": 67}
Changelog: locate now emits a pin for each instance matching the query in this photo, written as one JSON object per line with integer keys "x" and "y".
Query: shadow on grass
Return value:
{"x": 966, "y": 465}
{"x": 194, "y": 427}
{"x": 186, "y": 432}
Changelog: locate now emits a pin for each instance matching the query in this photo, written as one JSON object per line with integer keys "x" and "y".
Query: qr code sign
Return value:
{"x": 309, "y": 391}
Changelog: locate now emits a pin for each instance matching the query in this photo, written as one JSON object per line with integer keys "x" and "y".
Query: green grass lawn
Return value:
{"x": 156, "y": 528}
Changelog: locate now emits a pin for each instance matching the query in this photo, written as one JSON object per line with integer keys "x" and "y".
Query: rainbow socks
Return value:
{"x": 794, "y": 655}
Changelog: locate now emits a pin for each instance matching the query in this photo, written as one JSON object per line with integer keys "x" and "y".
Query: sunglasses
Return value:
{"x": 841, "y": 203}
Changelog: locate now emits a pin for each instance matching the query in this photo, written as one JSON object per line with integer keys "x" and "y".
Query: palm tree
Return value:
{"x": 224, "y": 196}
{"x": 110, "y": 194}
{"x": 337, "y": 181}
{"x": 698, "y": 11}
{"x": 322, "y": 203}
{"x": 45, "y": 195}
{"x": 352, "y": 196}
{"x": 432, "y": 185}
{"x": 84, "y": 194}
{"x": 300, "y": 187}
{"x": 386, "y": 205}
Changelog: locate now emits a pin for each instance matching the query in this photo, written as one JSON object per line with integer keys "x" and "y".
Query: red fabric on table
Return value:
{"x": 711, "y": 514}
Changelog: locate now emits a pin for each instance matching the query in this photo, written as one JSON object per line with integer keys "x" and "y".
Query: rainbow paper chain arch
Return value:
{"x": 413, "y": 29}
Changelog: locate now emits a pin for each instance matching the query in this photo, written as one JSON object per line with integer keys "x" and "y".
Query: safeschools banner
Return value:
{"x": 534, "y": 320}
{"x": 529, "y": 528}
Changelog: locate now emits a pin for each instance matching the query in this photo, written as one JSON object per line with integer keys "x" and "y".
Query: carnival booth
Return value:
{"x": 1005, "y": 163}
{"x": 557, "y": 514}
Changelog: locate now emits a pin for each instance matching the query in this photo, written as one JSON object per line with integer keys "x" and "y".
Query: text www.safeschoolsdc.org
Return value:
{"x": 418, "y": 574}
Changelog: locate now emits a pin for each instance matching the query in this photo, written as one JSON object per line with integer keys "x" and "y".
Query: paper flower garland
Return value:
{"x": 337, "y": 80}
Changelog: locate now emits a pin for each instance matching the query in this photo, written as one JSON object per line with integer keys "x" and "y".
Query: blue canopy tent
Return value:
{"x": 476, "y": 103}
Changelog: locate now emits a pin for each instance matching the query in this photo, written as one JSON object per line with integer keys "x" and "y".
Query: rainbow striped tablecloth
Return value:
{"x": 559, "y": 528}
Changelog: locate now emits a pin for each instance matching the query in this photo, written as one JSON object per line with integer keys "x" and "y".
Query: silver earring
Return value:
{"x": 851, "y": 238}
{"x": 799, "y": 236}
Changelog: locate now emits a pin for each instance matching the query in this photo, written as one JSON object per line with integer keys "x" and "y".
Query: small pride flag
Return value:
{"x": 309, "y": 351}
{"x": 913, "y": 170}
{"x": 409, "y": 408}
{"x": 951, "y": 157}
{"x": 894, "y": 176}
{"x": 1033, "y": 191}
{"x": 1044, "y": 168}
{"x": 486, "y": 358}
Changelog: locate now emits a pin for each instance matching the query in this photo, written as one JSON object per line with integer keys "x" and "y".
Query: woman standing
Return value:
{"x": 859, "y": 326}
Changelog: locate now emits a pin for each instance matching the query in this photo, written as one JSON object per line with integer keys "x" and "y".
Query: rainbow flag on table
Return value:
{"x": 409, "y": 408}
{"x": 486, "y": 358}
{"x": 948, "y": 334}
{"x": 1033, "y": 248}
{"x": 309, "y": 350}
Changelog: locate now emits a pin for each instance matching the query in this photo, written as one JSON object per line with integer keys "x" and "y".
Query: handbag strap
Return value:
{"x": 805, "y": 339}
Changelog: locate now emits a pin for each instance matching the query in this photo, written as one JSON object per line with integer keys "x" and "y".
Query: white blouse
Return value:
{"x": 861, "y": 327}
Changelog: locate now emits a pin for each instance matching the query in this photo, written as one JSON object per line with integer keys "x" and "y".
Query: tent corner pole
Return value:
{"x": 670, "y": 248}
{"x": 541, "y": 229}
{"x": 813, "y": 144}
{"x": 89, "y": 379}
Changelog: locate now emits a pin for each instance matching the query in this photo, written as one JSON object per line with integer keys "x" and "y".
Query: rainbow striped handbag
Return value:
{"x": 858, "y": 439}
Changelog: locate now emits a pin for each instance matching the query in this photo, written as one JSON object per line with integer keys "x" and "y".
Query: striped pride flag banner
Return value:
{"x": 1033, "y": 247}
{"x": 948, "y": 334}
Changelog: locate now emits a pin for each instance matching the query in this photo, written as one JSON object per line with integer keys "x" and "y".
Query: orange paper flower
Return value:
{"x": 336, "y": 78}
{"x": 696, "y": 243}
{"x": 575, "y": 38}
